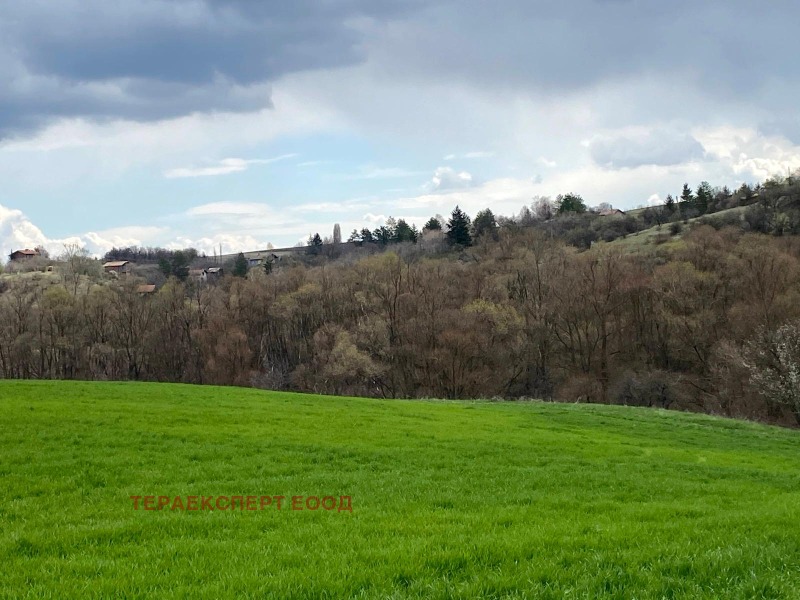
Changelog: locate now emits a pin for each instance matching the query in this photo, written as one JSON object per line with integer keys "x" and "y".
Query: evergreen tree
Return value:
{"x": 433, "y": 224}
{"x": 314, "y": 244}
{"x": 383, "y": 235}
{"x": 176, "y": 265}
{"x": 240, "y": 266}
{"x": 687, "y": 199}
{"x": 570, "y": 203}
{"x": 704, "y": 197}
{"x": 366, "y": 235}
{"x": 404, "y": 232}
{"x": 458, "y": 228}
{"x": 485, "y": 224}
{"x": 669, "y": 204}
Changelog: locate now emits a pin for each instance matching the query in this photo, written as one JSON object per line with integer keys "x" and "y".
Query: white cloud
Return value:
{"x": 372, "y": 172}
{"x": 504, "y": 196}
{"x": 446, "y": 178}
{"x": 374, "y": 219}
{"x": 469, "y": 155}
{"x": 749, "y": 155}
{"x": 17, "y": 232}
{"x": 654, "y": 200}
{"x": 247, "y": 209}
{"x": 230, "y": 243}
{"x": 225, "y": 167}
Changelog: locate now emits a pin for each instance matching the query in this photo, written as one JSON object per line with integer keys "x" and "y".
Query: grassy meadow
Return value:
{"x": 450, "y": 499}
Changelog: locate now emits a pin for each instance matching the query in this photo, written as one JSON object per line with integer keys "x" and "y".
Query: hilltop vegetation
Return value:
{"x": 695, "y": 320}
{"x": 468, "y": 499}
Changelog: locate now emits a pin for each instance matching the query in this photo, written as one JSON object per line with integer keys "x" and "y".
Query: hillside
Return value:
{"x": 450, "y": 499}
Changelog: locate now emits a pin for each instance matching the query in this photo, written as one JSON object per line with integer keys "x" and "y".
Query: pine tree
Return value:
{"x": 314, "y": 244}
{"x": 485, "y": 224}
{"x": 570, "y": 203}
{"x": 458, "y": 228}
{"x": 687, "y": 199}
{"x": 433, "y": 224}
{"x": 240, "y": 266}
{"x": 403, "y": 232}
{"x": 704, "y": 197}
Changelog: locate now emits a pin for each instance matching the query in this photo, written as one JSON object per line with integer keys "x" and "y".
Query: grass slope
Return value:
{"x": 451, "y": 499}
{"x": 648, "y": 238}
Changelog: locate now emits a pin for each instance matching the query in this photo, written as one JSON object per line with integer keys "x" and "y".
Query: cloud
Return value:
{"x": 446, "y": 178}
{"x": 371, "y": 172}
{"x": 219, "y": 209}
{"x": 225, "y": 167}
{"x": 748, "y": 154}
{"x": 165, "y": 58}
{"x": 655, "y": 147}
{"x": 554, "y": 47}
{"x": 17, "y": 232}
{"x": 654, "y": 200}
{"x": 469, "y": 155}
{"x": 376, "y": 220}
{"x": 230, "y": 243}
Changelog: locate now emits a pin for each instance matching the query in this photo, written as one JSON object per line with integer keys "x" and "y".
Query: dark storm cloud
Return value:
{"x": 729, "y": 53}
{"x": 732, "y": 44}
{"x": 150, "y": 59}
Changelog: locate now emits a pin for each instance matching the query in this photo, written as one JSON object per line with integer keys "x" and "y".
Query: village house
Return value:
{"x": 23, "y": 254}
{"x": 610, "y": 212}
{"x": 146, "y": 288}
{"x": 117, "y": 267}
{"x": 200, "y": 275}
{"x": 214, "y": 272}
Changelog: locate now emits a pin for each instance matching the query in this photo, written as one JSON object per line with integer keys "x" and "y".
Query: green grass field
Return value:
{"x": 450, "y": 499}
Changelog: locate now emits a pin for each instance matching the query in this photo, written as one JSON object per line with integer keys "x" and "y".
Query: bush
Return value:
{"x": 651, "y": 388}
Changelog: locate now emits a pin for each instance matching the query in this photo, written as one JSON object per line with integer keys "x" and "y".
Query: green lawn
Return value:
{"x": 450, "y": 499}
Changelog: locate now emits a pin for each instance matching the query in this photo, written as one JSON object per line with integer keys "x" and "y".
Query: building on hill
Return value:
{"x": 23, "y": 254}
{"x": 117, "y": 267}
{"x": 200, "y": 275}
{"x": 610, "y": 212}
{"x": 214, "y": 272}
{"x": 146, "y": 288}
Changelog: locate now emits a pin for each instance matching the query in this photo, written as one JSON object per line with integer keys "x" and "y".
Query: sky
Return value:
{"x": 241, "y": 123}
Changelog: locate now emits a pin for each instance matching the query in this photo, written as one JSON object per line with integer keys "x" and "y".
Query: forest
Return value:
{"x": 704, "y": 317}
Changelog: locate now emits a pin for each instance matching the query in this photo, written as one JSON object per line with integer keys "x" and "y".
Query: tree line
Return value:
{"x": 509, "y": 307}
{"x": 695, "y": 326}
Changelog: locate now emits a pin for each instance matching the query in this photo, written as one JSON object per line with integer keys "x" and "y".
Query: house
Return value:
{"x": 254, "y": 261}
{"x": 214, "y": 272}
{"x": 200, "y": 275}
{"x": 146, "y": 288}
{"x": 23, "y": 254}
{"x": 117, "y": 267}
{"x": 610, "y": 212}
